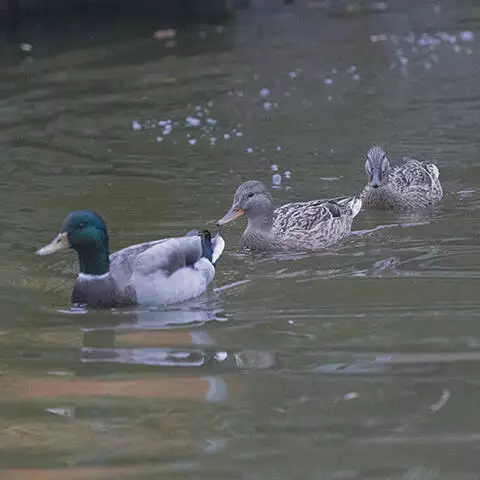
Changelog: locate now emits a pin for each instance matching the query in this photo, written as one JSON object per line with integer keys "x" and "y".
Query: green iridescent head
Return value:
{"x": 86, "y": 233}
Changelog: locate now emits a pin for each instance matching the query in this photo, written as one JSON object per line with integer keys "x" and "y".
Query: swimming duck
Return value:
{"x": 307, "y": 225}
{"x": 408, "y": 186}
{"x": 153, "y": 273}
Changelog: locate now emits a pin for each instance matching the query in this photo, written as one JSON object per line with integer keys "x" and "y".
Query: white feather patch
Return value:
{"x": 89, "y": 277}
{"x": 218, "y": 248}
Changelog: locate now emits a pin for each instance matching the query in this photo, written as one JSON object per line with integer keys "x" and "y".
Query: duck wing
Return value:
{"x": 162, "y": 258}
{"x": 416, "y": 174}
{"x": 121, "y": 262}
{"x": 308, "y": 215}
{"x": 175, "y": 270}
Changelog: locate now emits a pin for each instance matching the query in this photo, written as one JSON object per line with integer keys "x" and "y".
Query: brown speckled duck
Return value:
{"x": 295, "y": 226}
{"x": 409, "y": 186}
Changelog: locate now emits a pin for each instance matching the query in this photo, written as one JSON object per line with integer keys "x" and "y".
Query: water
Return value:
{"x": 360, "y": 362}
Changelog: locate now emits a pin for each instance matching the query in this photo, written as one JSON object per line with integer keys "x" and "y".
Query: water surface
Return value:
{"x": 360, "y": 362}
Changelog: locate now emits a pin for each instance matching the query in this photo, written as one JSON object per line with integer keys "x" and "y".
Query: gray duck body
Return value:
{"x": 152, "y": 273}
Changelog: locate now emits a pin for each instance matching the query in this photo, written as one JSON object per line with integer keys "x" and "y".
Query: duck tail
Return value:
{"x": 218, "y": 247}
{"x": 433, "y": 170}
{"x": 356, "y": 206}
{"x": 212, "y": 249}
{"x": 207, "y": 246}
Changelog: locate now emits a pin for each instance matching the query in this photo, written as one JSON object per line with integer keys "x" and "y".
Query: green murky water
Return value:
{"x": 360, "y": 362}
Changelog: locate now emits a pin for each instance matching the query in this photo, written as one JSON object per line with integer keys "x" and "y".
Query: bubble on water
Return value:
{"x": 278, "y": 148}
{"x": 351, "y": 395}
{"x": 249, "y": 150}
{"x": 192, "y": 121}
{"x": 467, "y": 36}
{"x": 167, "y": 129}
{"x": 159, "y": 139}
{"x": 328, "y": 81}
{"x": 380, "y": 6}
{"x": 239, "y": 134}
{"x": 267, "y": 105}
{"x": 192, "y": 141}
{"x": 334, "y": 71}
{"x": 221, "y": 356}
{"x": 264, "y": 92}
{"x": 291, "y": 322}
{"x": 351, "y": 69}
{"x": 403, "y": 60}
{"x": 426, "y": 40}
{"x": 136, "y": 125}
{"x": 274, "y": 167}
{"x": 227, "y": 136}
{"x": 293, "y": 74}
{"x": 287, "y": 94}
{"x": 356, "y": 77}
{"x": 329, "y": 98}
{"x": 378, "y": 38}
{"x": 444, "y": 36}
{"x": 457, "y": 48}
{"x": 468, "y": 51}
{"x": 210, "y": 104}
{"x": 162, "y": 123}
{"x": 26, "y": 47}
{"x": 288, "y": 174}
{"x": 428, "y": 65}
{"x": 213, "y": 140}
{"x": 239, "y": 93}
{"x": 277, "y": 179}
{"x": 211, "y": 121}
{"x": 453, "y": 39}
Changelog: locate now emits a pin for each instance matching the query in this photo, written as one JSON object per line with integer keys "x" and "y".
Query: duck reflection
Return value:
{"x": 116, "y": 358}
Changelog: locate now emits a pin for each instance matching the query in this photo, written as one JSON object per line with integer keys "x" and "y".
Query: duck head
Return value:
{"x": 86, "y": 233}
{"x": 253, "y": 200}
{"x": 377, "y": 167}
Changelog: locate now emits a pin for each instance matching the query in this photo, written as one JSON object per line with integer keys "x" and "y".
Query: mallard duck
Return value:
{"x": 153, "y": 273}
{"x": 408, "y": 186}
{"x": 305, "y": 226}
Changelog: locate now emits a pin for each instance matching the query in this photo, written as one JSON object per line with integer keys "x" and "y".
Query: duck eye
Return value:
{"x": 250, "y": 195}
{"x": 81, "y": 225}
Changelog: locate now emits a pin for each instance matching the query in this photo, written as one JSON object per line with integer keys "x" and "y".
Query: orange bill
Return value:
{"x": 231, "y": 215}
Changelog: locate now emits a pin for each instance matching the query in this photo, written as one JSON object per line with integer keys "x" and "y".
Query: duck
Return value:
{"x": 409, "y": 186}
{"x": 296, "y": 226}
{"x": 159, "y": 272}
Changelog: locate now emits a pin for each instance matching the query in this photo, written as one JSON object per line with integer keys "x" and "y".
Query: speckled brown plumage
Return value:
{"x": 302, "y": 225}
{"x": 409, "y": 186}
